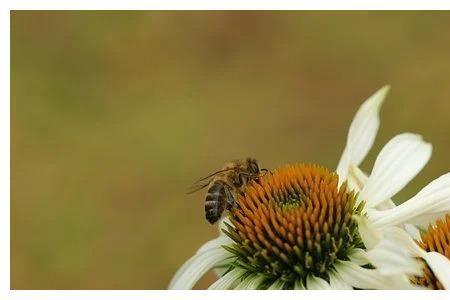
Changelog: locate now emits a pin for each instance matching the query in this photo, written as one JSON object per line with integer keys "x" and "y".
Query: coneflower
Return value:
{"x": 305, "y": 227}
{"x": 293, "y": 229}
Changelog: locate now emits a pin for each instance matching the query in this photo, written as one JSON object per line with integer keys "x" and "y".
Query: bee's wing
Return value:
{"x": 197, "y": 186}
{"x": 205, "y": 181}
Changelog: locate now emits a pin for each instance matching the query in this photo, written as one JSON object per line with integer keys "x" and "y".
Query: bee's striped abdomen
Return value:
{"x": 215, "y": 201}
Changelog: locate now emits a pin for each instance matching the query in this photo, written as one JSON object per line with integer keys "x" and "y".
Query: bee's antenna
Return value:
{"x": 261, "y": 175}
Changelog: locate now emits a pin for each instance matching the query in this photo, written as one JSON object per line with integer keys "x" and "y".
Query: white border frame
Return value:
{"x": 227, "y": 295}
{"x": 231, "y": 4}
{"x": 4, "y": 153}
{"x": 6, "y": 293}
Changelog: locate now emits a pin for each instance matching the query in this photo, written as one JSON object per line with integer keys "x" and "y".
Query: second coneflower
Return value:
{"x": 436, "y": 240}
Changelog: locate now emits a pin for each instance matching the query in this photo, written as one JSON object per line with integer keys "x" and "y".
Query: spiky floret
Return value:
{"x": 293, "y": 223}
{"x": 436, "y": 238}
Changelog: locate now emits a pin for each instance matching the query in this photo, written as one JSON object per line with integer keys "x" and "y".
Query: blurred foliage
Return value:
{"x": 115, "y": 114}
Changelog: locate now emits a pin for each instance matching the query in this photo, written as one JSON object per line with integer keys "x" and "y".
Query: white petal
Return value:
{"x": 424, "y": 219}
{"x": 358, "y": 256}
{"x": 413, "y": 232}
{"x": 357, "y": 276}
{"x": 369, "y": 234}
{"x": 440, "y": 266}
{"x": 337, "y": 283}
{"x": 343, "y": 166}
{"x": 390, "y": 257}
{"x": 215, "y": 243}
{"x": 223, "y": 267}
{"x": 277, "y": 285}
{"x": 357, "y": 180}
{"x": 316, "y": 283}
{"x": 251, "y": 282}
{"x": 362, "y": 132}
{"x": 299, "y": 285}
{"x": 362, "y": 278}
{"x": 212, "y": 244}
{"x": 401, "y": 237}
{"x": 255, "y": 283}
{"x": 433, "y": 200}
{"x": 243, "y": 283}
{"x": 227, "y": 281}
{"x": 209, "y": 255}
{"x": 396, "y": 165}
{"x": 386, "y": 204}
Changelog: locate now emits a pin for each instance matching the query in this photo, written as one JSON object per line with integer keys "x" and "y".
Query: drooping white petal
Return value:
{"x": 357, "y": 276}
{"x": 215, "y": 243}
{"x": 194, "y": 268}
{"x": 432, "y": 200}
{"x": 337, "y": 283}
{"x": 358, "y": 256}
{"x": 228, "y": 281}
{"x": 222, "y": 239}
{"x": 397, "y": 164}
{"x": 392, "y": 255}
{"x": 223, "y": 267}
{"x": 242, "y": 285}
{"x": 316, "y": 283}
{"x": 251, "y": 282}
{"x": 362, "y": 133}
{"x": 362, "y": 278}
{"x": 401, "y": 237}
{"x": 440, "y": 266}
{"x": 368, "y": 233}
{"x": 298, "y": 285}
{"x": 277, "y": 285}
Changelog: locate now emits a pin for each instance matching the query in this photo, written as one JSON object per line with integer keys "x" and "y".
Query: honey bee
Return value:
{"x": 225, "y": 185}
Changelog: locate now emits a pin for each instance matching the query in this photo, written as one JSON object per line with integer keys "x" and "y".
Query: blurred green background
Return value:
{"x": 115, "y": 114}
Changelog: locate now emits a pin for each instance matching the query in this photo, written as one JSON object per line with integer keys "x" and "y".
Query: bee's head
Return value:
{"x": 253, "y": 166}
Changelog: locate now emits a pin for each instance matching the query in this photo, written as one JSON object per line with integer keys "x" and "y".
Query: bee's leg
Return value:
{"x": 230, "y": 198}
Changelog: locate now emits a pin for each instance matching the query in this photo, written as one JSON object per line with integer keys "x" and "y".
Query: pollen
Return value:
{"x": 294, "y": 222}
{"x": 437, "y": 239}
